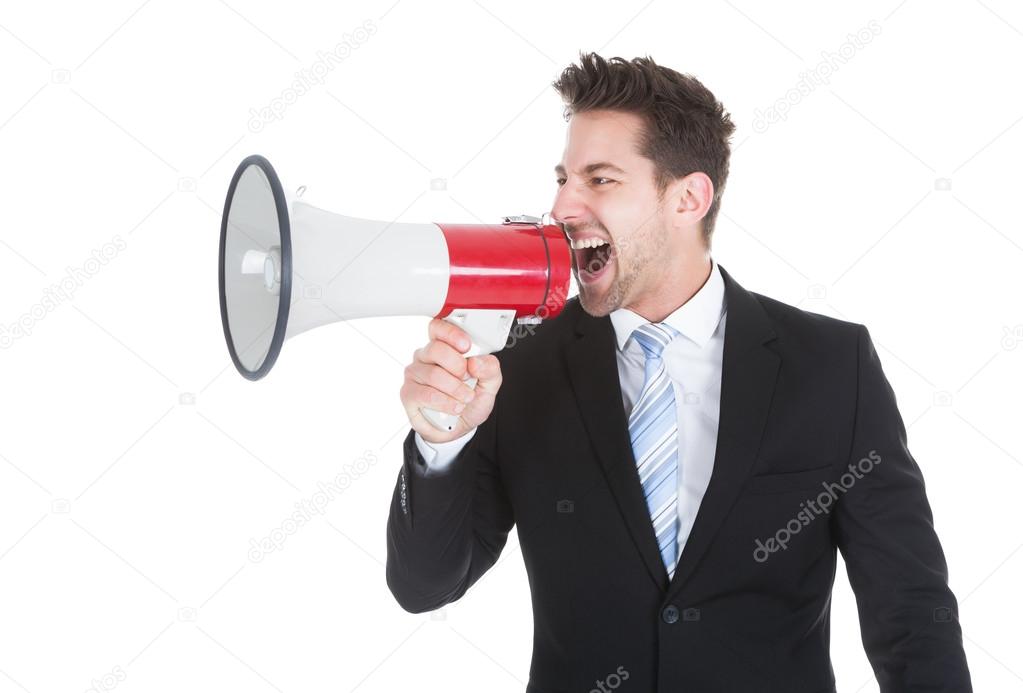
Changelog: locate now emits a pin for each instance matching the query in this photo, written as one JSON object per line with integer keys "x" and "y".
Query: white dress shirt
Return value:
{"x": 693, "y": 363}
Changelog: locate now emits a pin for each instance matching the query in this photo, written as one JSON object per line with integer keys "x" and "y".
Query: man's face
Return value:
{"x": 617, "y": 204}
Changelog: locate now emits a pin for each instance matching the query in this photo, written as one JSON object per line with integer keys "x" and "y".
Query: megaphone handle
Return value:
{"x": 488, "y": 329}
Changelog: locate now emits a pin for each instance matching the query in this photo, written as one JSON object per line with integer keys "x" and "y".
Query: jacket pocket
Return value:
{"x": 815, "y": 479}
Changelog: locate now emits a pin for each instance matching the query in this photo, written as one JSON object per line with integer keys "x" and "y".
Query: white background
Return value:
{"x": 136, "y": 465}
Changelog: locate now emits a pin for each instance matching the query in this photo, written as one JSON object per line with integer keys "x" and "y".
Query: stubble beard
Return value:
{"x": 627, "y": 272}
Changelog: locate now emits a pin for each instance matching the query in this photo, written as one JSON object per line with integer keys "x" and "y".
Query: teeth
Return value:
{"x": 587, "y": 243}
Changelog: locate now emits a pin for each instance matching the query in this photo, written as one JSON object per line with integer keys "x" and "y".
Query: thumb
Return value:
{"x": 472, "y": 365}
{"x": 487, "y": 371}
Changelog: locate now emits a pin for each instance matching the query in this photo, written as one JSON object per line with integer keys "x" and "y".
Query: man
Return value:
{"x": 680, "y": 488}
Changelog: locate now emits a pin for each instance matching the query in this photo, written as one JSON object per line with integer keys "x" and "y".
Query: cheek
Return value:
{"x": 635, "y": 245}
{"x": 632, "y": 224}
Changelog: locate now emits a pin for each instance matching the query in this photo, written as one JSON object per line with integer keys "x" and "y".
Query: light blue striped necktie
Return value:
{"x": 653, "y": 428}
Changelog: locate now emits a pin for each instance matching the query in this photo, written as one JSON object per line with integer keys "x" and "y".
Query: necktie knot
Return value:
{"x": 653, "y": 337}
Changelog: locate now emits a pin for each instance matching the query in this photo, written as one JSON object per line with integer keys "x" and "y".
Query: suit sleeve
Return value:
{"x": 909, "y": 619}
{"x": 445, "y": 530}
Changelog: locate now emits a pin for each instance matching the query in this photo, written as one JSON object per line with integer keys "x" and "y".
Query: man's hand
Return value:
{"x": 434, "y": 380}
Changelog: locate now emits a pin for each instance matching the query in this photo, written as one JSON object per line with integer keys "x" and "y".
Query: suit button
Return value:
{"x": 670, "y": 614}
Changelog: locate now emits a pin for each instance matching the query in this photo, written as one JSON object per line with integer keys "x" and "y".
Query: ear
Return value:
{"x": 695, "y": 194}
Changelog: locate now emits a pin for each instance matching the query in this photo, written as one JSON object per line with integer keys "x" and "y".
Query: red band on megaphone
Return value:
{"x": 511, "y": 266}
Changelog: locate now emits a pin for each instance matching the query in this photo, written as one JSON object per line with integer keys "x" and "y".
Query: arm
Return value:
{"x": 884, "y": 528}
{"x": 449, "y": 528}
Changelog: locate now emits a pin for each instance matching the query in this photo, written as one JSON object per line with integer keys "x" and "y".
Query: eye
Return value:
{"x": 561, "y": 181}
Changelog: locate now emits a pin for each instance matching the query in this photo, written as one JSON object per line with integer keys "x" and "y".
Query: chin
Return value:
{"x": 599, "y": 305}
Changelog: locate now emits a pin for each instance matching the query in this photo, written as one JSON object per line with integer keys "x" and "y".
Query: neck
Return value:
{"x": 673, "y": 288}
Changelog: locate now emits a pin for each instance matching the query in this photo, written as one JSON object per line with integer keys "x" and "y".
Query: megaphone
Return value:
{"x": 287, "y": 266}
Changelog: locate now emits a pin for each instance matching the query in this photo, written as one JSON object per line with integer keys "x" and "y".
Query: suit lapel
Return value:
{"x": 593, "y": 370}
{"x": 749, "y": 370}
{"x": 748, "y": 374}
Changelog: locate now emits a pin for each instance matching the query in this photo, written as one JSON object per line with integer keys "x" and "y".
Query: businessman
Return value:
{"x": 683, "y": 458}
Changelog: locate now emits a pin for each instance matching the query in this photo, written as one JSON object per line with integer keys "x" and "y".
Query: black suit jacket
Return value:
{"x": 806, "y": 414}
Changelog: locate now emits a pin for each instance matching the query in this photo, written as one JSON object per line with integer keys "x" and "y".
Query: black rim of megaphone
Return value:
{"x": 284, "y": 303}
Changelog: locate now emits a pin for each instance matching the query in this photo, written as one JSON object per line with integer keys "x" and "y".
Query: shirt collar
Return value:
{"x": 697, "y": 319}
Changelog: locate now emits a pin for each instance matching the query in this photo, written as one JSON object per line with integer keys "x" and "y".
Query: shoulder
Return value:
{"x": 804, "y": 331}
{"x": 796, "y": 320}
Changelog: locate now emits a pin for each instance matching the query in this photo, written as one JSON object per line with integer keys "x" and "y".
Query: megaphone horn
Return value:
{"x": 287, "y": 266}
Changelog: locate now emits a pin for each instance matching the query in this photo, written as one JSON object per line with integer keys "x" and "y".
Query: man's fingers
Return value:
{"x": 444, "y": 355}
{"x": 450, "y": 334}
{"x": 440, "y": 379}
{"x": 419, "y": 396}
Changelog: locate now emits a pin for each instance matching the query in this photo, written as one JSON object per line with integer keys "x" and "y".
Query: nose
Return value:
{"x": 568, "y": 206}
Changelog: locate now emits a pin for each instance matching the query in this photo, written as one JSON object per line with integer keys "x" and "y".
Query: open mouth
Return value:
{"x": 592, "y": 257}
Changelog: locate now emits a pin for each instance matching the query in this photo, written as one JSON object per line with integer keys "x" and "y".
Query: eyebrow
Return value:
{"x": 592, "y": 168}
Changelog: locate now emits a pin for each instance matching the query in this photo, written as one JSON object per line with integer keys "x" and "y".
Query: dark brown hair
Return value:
{"x": 687, "y": 129}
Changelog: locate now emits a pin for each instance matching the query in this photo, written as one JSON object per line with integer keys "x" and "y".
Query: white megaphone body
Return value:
{"x": 287, "y": 266}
